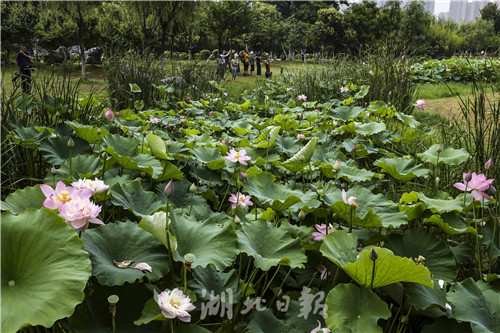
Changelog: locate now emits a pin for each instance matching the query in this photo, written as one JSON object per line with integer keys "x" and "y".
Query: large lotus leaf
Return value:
{"x": 56, "y": 150}
{"x": 124, "y": 241}
{"x": 448, "y": 155}
{"x": 148, "y": 164}
{"x": 297, "y": 315}
{"x": 297, "y": 161}
{"x": 309, "y": 202}
{"x": 133, "y": 197}
{"x": 270, "y": 246}
{"x": 389, "y": 268}
{"x": 82, "y": 166}
{"x": 150, "y": 312}
{"x": 373, "y": 210}
{"x": 442, "y": 206}
{"x": 448, "y": 325}
{"x": 340, "y": 247}
{"x": 44, "y": 269}
{"x": 170, "y": 171}
{"x": 369, "y": 128}
{"x": 450, "y": 224}
{"x": 88, "y": 132}
{"x": 422, "y": 297}
{"x": 415, "y": 242}
{"x": 287, "y": 145}
{"x": 468, "y": 303}
{"x": 209, "y": 282}
{"x": 353, "y": 174}
{"x": 157, "y": 146}
{"x": 401, "y": 168}
{"x": 266, "y": 139}
{"x": 265, "y": 321}
{"x": 29, "y": 136}
{"x": 122, "y": 146}
{"x": 28, "y": 197}
{"x": 407, "y": 119}
{"x": 156, "y": 226}
{"x": 345, "y": 113}
{"x": 210, "y": 243}
{"x": 278, "y": 196}
{"x": 356, "y": 309}
{"x": 209, "y": 156}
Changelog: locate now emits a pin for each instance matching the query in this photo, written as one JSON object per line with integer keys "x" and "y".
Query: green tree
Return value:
{"x": 267, "y": 27}
{"x": 415, "y": 25}
{"x": 18, "y": 23}
{"x": 491, "y": 12}
{"x": 329, "y": 29}
{"x": 363, "y": 19}
{"x": 444, "y": 39}
{"x": 477, "y": 35}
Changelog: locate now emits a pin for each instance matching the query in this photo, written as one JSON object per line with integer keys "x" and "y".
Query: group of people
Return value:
{"x": 250, "y": 61}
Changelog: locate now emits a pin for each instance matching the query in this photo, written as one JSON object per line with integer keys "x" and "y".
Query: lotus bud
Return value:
{"x": 312, "y": 187}
{"x": 492, "y": 190}
{"x": 489, "y": 164}
{"x": 337, "y": 166}
{"x": 118, "y": 114}
{"x": 193, "y": 188}
{"x": 302, "y": 215}
{"x": 104, "y": 155}
{"x": 113, "y": 300}
{"x": 300, "y": 116}
{"x": 373, "y": 255}
{"x": 440, "y": 148}
{"x": 169, "y": 189}
{"x": 354, "y": 148}
{"x": 237, "y": 219}
{"x": 109, "y": 115}
{"x": 211, "y": 113}
{"x": 302, "y": 158}
{"x": 190, "y": 258}
{"x": 58, "y": 114}
{"x": 468, "y": 176}
{"x": 241, "y": 176}
{"x": 99, "y": 131}
{"x": 74, "y": 133}
{"x": 53, "y": 171}
{"x": 131, "y": 134}
{"x": 71, "y": 143}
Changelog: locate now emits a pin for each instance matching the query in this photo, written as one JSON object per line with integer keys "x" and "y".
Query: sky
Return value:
{"x": 441, "y": 6}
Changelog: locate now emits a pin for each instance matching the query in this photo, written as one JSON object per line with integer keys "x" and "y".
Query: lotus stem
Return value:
{"x": 350, "y": 220}
{"x": 168, "y": 244}
{"x": 191, "y": 206}
{"x": 265, "y": 289}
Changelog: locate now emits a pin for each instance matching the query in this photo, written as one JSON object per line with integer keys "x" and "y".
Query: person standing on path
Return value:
{"x": 23, "y": 68}
{"x": 245, "y": 63}
{"x": 235, "y": 64}
{"x": 257, "y": 60}
{"x": 251, "y": 60}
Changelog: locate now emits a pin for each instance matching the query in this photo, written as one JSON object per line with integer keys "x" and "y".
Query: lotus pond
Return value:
{"x": 271, "y": 214}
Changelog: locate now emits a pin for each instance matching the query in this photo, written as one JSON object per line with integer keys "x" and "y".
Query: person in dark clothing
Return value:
{"x": 251, "y": 60}
{"x": 257, "y": 62}
{"x": 23, "y": 68}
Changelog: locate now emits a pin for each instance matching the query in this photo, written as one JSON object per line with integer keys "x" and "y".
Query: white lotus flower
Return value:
{"x": 175, "y": 304}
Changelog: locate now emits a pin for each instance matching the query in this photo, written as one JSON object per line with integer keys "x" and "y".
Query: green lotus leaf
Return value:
{"x": 210, "y": 157}
{"x": 381, "y": 109}
{"x": 270, "y": 246}
{"x": 122, "y": 146}
{"x": 157, "y": 146}
{"x": 308, "y": 202}
{"x": 401, "y": 168}
{"x": 450, "y": 224}
{"x": 266, "y": 139}
{"x": 448, "y": 155}
{"x": 448, "y": 325}
{"x": 301, "y": 232}
{"x": 287, "y": 145}
{"x": 389, "y": 268}
{"x": 150, "y": 312}
{"x": 148, "y": 164}
{"x": 88, "y": 132}
{"x": 415, "y": 242}
{"x": 345, "y": 113}
{"x": 340, "y": 247}
{"x": 133, "y": 197}
{"x": 442, "y": 206}
{"x": 44, "y": 269}
{"x": 124, "y": 241}
{"x": 82, "y": 166}
{"x": 278, "y": 196}
{"x": 469, "y": 304}
{"x": 296, "y": 162}
{"x": 28, "y": 197}
{"x": 422, "y": 297}
{"x": 209, "y": 282}
{"x": 407, "y": 119}
{"x": 210, "y": 243}
{"x": 369, "y": 128}
{"x": 156, "y": 226}
{"x": 134, "y": 88}
{"x": 170, "y": 171}
{"x": 373, "y": 210}
{"x": 56, "y": 150}
{"x": 355, "y": 308}
{"x": 353, "y": 174}
{"x": 300, "y": 320}
{"x": 413, "y": 211}
{"x": 265, "y": 321}
{"x": 29, "y": 136}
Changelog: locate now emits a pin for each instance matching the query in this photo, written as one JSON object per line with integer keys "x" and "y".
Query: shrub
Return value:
{"x": 183, "y": 55}
{"x": 204, "y": 54}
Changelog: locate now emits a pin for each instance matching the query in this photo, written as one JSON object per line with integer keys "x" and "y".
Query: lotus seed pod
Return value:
{"x": 190, "y": 258}
{"x": 113, "y": 300}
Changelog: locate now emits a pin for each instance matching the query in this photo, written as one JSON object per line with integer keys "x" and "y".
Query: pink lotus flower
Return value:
{"x": 420, "y": 104}
{"x": 240, "y": 199}
{"x": 476, "y": 185}
{"x": 211, "y": 113}
{"x": 239, "y": 156}
{"x": 302, "y": 97}
{"x": 175, "y": 304}
{"x": 343, "y": 89}
{"x": 80, "y": 211}
{"x": 97, "y": 186}
{"x": 58, "y": 197}
{"x": 188, "y": 98}
{"x": 301, "y": 136}
{"x": 289, "y": 89}
{"x": 109, "y": 115}
{"x": 224, "y": 93}
{"x": 323, "y": 230}
{"x": 351, "y": 201}
{"x": 142, "y": 266}
{"x": 323, "y": 272}
{"x": 154, "y": 120}
{"x": 181, "y": 117}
